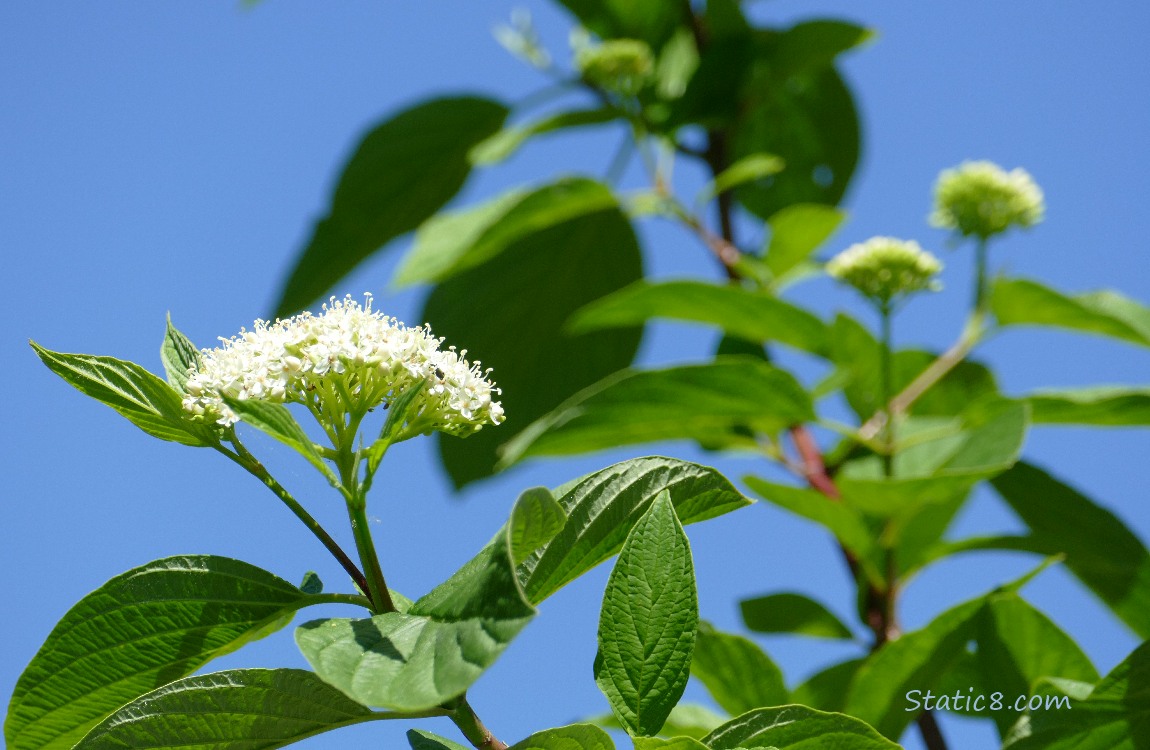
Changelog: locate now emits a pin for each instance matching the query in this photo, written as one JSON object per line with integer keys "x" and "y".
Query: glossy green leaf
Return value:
{"x": 511, "y": 311}
{"x": 1104, "y": 313}
{"x": 423, "y": 740}
{"x": 828, "y": 689}
{"x": 653, "y": 21}
{"x": 797, "y": 231}
{"x": 417, "y": 660}
{"x": 238, "y": 709}
{"x": 452, "y": 242}
{"x": 507, "y": 141}
{"x": 747, "y": 169}
{"x": 714, "y": 404}
{"x": 1102, "y": 406}
{"x": 535, "y": 520}
{"x": 140, "y": 630}
{"x": 792, "y": 613}
{"x": 401, "y": 173}
{"x": 138, "y": 395}
{"x": 1100, "y": 550}
{"x": 1115, "y": 716}
{"x": 796, "y": 728}
{"x": 648, "y": 622}
{"x": 570, "y": 737}
{"x": 739, "y": 312}
{"x": 179, "y": 355}
{"x": 736, "y": 672}
{"x": 275, "y": 420}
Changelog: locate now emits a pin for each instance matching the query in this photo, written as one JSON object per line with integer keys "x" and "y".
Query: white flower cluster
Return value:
{"x": 348, "y": 359}
{"x": 982, "y": 199}
{"x": 885, "y": 267}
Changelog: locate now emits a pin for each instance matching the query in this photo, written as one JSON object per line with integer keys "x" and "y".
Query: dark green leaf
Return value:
{"x": 510, "y": 312}
{"x": 418, "y": 660}
{"x": 402, "y": 172}
{"x": 653, "y": 21}
{"x": 535, "y": 520}
{"x": 179, "y": 355}
{"x": 138, "y": 395}
{"x": 648, "y": 623}
{"x": 1100, "y": 550}
{"x": 423, "y": 740}
{"x": 602, "y": 507}
{"x": 276, "y": 421}
{"x": 241, "y": 709}
{"x": 571, "y": 737}
{"x": 792, "y": 613}
{"x": 1105, "y": 313}
{"x": 1116, "y": 715}
{"x": 739, "y": 312}
{"x": 1104, "y": 406}
{"x": 796, "y": 728}
{"x": 138, "y": 631}
{"x": 713, "y": 404}
{"x": 828, "y": 690}
{"x": 311, "y": 583}
{"x": 747, "y": 169}
{"x": 509, "y": 140}
{"x": 797, "y": 231}
{"x": 814, "y": 44}
{"x": 736, "y": 672}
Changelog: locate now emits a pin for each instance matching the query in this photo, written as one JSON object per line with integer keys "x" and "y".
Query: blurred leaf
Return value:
{"x": 535, "y": 520}
{"x": 402, "y": 172}
{"x": 792, "y": 613}
{"x": 714, "y": 92}
{"x": 686, "y": 720}
{"x": 179, "y": 355}
{"x": 1105, "y": 313}
{"x": 420, "y": 739}
{"x": 653, "y": 21}
{"x": 828, "y": 690}
{"x": 648, "y": 622}
{"x": 232, "y": 710}
{"x": 275, "y": 420}
{"x": 814, "y": 44}
{"x": 796, "y": 727}
{"x": 668, "y": 743}
{"x": 571, "y": 737}
{"x": 677, "y": 62}
{"x": 507, "y": 141}
{"x": 452, "y": 242}
{"x": 1100, "y": 550}
{"x": 140, "y": 630}
{"x": 603, "y": 506}
{"x": 736, "y": 672}
{"x": 707, "y": 403}
{"x": 1103, "y": 406}
{"x": 1116, "y": 715}
{"x": 138, "y": 395}
{"x": 510, "y": 312}
{"x": 421, "y": 659}
{"x": 750, "y": 167}
{"x": 797, "y": 231}
{"x": 739, "y": 312}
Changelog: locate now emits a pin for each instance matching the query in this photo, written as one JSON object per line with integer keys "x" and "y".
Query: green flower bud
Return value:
{"x": 623, "y": 66}
{"x": 982, "y": 199}
{"x": 884, "y": 268}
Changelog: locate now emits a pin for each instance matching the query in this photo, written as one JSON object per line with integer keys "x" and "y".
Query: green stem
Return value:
{"x": 473, "y": 729}
{"x": 376, "y": 585}
{"x": 981, "y": 290}
{"x": 887, "y": 376}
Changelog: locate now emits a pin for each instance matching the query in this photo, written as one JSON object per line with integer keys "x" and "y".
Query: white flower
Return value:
{"x": 885, "y": 267}
{"x": 345, "y": 361}
{"x": 981, "y": 198}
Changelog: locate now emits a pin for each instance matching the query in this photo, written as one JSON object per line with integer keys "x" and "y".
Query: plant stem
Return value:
{"x": 981, "y": 292}
{"x": 887, "y": 387}
{"x": 473, "y": 729}
{"x": 376, "y": 585}
{"x": 244, "y": 458}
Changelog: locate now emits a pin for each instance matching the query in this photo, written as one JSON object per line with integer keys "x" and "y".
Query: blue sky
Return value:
{"x": 171, "y": 157}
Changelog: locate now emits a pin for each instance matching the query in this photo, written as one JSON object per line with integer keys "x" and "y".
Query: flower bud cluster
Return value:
{"x": 982, "y": 199}
{"x": 623, "y": 66}
{"x": 348, "y": 359}
{"x": 883, "y": 268}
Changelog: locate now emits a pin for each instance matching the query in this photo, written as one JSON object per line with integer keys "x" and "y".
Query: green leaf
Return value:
{"x": 1104, "y": 313}
{"x": 739, "y": 312}
{"x": 686, "y": 720}
{"x": 402, "y": 172}
{"x": 275, "y": 420}
{"x": 602, "y": 507}
{"x": 747, "y": 169}
{"x": 179, "y": 355}
{"x": 797, "y": 231}
{"x": 714, "y": 404}
{"x": 648, "y": 622}
{"x": 453, "y": 242}
{"x": 1116, "y": 715}
{"x": 423, "y": 740}
{"x": 507, "y": 141}
{"x": 671, "y": 743}
{"x": 138, "y": 395}
{"x": 653, "y": 21}
{"x": 234, "y": 710}
{"x": 535, "y": 520}
{"x": 571, "y": 737}
{"x": 1100, "y": 550}
{"x": 311, "y": 583}
{"x": 796, "y": 728}
{"x": 736, "y": 672}
{"x": 792, "y": 613}
{"x": 815, "y": 44}
{"x": 828, "y": 690}
{"x": 140, "y": 630}
{"x": 1103, "y": 406}
{"x": 526, "y": 293}
{"x": 417, "y": 660}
